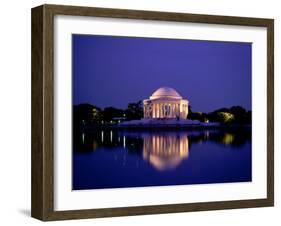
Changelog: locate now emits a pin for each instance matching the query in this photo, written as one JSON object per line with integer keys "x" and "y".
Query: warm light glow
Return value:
{"x": 124, "y": 141}
{"x": 228, "y": 138}
{"x": 165, "y": 152}
{"x": 165, "y": 103}
{"x": 83, "y": 137}
{"x": 102, "y": 136}
{"x": 95, "y": 145}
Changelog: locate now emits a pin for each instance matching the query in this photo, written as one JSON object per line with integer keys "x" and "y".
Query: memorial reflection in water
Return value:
{"x": 165, "y": 152}
{"x": 120, "y": 158}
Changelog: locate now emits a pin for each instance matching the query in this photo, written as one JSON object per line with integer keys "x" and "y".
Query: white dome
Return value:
{"x": 165, "y": 92}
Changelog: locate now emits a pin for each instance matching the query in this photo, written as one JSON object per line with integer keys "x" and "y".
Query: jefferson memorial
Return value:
{"x": 165, "y": 102}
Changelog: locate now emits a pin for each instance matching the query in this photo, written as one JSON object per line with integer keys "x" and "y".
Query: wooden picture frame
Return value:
{"x": 42, "y": 205}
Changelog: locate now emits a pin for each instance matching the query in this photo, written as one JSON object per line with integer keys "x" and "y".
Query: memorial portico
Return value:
{"x": 165, "y": 102}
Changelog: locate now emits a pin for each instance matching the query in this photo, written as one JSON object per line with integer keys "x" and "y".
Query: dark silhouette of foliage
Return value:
{"x": 232, "y": 115}
{"x": 134, "y": 111}
{"x": 240, "y": 114}
{"x": 200, "y": 116}
{"x": 86, "y": 113}
{"x": 110, "y": 113}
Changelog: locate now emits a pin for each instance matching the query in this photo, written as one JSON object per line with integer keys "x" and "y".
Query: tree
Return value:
{"x": 86, "y": 113}
{"x": 200, "y": 116}
{"x": 134, "y": 111}
{"x": 249, "y": 117}
{"x": 236, "y": 115}
{"x": 225, "y": 117}
{"x": 110, "y": 112}
{"x": 240, "y": 114}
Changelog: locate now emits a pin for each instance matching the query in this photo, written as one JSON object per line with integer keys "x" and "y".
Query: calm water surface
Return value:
{"x": 115, "y": 159}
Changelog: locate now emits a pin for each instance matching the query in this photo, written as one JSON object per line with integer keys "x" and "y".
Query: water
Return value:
{"x": 116, "y": 159}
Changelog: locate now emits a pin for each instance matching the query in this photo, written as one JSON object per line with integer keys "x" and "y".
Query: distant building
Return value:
{"x": 165, "y": 102}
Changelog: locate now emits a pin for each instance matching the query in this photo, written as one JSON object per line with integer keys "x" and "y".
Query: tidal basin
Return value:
{"x": 116, "y": 158}
{"x": 160, "y": 112}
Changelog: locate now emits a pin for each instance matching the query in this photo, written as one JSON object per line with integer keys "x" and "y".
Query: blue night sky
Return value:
{"x": 114, "y": 71}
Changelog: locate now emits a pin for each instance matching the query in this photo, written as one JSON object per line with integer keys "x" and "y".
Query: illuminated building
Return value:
{"x": 165, "y": 103}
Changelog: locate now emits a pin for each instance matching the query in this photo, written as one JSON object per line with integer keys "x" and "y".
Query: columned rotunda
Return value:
{"x": 165, "y": 102}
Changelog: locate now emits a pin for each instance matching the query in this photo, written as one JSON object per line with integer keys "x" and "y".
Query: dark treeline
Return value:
{"x": 232, "y": 115}
{"x": 89, "y": 114}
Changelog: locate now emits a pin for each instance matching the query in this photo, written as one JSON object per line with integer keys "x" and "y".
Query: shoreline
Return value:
{"x": 161, "y": 127}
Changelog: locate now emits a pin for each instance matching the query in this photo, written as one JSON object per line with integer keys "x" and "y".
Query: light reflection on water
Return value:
{"x": 165, "y": 152}
{"x": 112, "y": 158}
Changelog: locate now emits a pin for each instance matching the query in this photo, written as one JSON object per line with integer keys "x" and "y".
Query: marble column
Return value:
{"x": 157, "y": 110}
{"x": 170, "y": 110}
{"x": 145, "y": 111}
